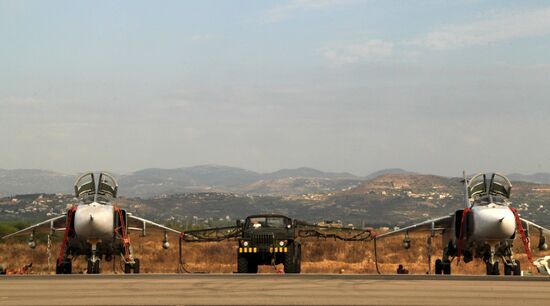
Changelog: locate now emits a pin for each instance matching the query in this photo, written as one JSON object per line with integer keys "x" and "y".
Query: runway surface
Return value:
{"x": 272, "y": 289}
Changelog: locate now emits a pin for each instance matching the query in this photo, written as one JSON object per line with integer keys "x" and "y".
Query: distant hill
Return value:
{"x": 540, "y": 178}
{"x": 24, "y": 181}
{"x": 387, "y": 200}
{"x": 408, "y": 181}
{"x": 386, "y": 171}
{"x": 307, "y": 172}
{"x": 205, "y": 178}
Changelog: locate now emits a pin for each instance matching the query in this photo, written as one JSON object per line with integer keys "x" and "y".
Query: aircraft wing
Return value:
{"x": 139, "y": 224}
{"x": 438, "y": 224}
{"x": 529, "y": 223}
{"x": 56, "y": 224}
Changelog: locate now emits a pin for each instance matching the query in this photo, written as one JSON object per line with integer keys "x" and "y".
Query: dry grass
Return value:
{"x": 319, "y": 256}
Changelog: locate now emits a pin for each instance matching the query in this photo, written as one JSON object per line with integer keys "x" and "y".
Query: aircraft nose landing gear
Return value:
{"x": 93, "y": 266}
{"x": 93, "y": 261}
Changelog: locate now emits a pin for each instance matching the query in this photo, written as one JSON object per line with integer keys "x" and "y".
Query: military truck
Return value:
{"x": 268, "y": 239}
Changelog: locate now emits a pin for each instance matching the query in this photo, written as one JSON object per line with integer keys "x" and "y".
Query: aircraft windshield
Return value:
{"x": 485, "y": 190}
{"x": 257, "y": 222}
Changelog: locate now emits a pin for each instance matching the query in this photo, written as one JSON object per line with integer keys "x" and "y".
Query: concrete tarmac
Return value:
{"x": 272, "y": 289}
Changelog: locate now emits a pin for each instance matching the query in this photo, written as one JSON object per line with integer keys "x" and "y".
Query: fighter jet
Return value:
{"x": 485, "y": 228}
{"x": 95, "y": 227}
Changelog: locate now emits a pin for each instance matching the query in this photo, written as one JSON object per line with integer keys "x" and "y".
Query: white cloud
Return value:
{"x": 371, "y": 50}
{"x": 492, "y": 29}
{"x": 285, "y": 11}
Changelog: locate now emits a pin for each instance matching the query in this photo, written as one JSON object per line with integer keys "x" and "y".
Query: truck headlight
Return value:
{"x": 245, "y": 243}
{"x": 281, "y": 243}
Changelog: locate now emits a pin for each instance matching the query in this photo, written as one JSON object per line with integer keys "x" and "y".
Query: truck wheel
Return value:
{"x": 242, "y": 264}
{"x": 252, "y": 267}
{"x": 291, "y": 259}
{"x": 299, "y": 259}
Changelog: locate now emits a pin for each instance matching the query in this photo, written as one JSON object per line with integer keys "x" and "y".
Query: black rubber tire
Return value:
{"x": 252, "y": 266}
{"x": 496, "y": 270}
{"x": 66, "y": 267}
{"x": 438, "y": 267}
{"x": 507, "y": 269}
{"x": 90, "y": 268}
{"x": 517, "y": 269}
{"x": 242, "y": 264}
{"x": 291, "y": 259}
{"x": 446, "y": 266}
{"x": 135, "y": 266}
{"x": 93, "y": 267}
{"x": 488, "y": 268}
{"x": 96, "y": 267}
{"x": 299, "y": 259}
{"x": 127, "y": 268}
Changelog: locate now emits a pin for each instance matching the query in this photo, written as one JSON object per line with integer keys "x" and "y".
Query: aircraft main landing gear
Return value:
{"x": 443, "y": 267}
{"x": 492, "y": 269}
{"x": 512, "y": 269}
{"x": 64, "y": 267}
{"x": 129, "y": 267}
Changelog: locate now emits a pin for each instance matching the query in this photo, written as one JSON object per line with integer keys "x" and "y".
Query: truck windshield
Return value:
{"x": 257, "y": 222}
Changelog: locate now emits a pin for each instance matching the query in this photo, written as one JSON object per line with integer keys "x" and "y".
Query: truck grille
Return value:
{"x": 265, "y": 239}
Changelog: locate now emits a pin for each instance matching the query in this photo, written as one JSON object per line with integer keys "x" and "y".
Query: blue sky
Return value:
{"x": 431, "y": 86}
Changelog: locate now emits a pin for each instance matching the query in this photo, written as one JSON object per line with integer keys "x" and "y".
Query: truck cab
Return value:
{"x": 268, "y": 239}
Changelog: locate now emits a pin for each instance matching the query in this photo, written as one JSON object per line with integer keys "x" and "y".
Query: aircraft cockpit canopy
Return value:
{"x": 107, "y": 187}
{"x": 84, "y": 187}
{"x": 86, "y": 190}
{"x": 485, "y": 190}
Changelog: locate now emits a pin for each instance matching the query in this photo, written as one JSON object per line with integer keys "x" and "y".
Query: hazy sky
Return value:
{"x": 430, "y": 86}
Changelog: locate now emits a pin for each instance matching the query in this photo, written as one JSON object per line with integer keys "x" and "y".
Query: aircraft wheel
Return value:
{"x": 93, "y": 267}
{"x": 493, "y": 269}
{"x": 446, "y": 266}
{"x": 438, "y": 268}
{"x": 507, "y": 269}
{"x": 65, "y": 267}
{"x": 517, "y": 269}
{"x": 136, "y": 266}
{"x": 490, "y": 268}
{"x": 127, "y": 268}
